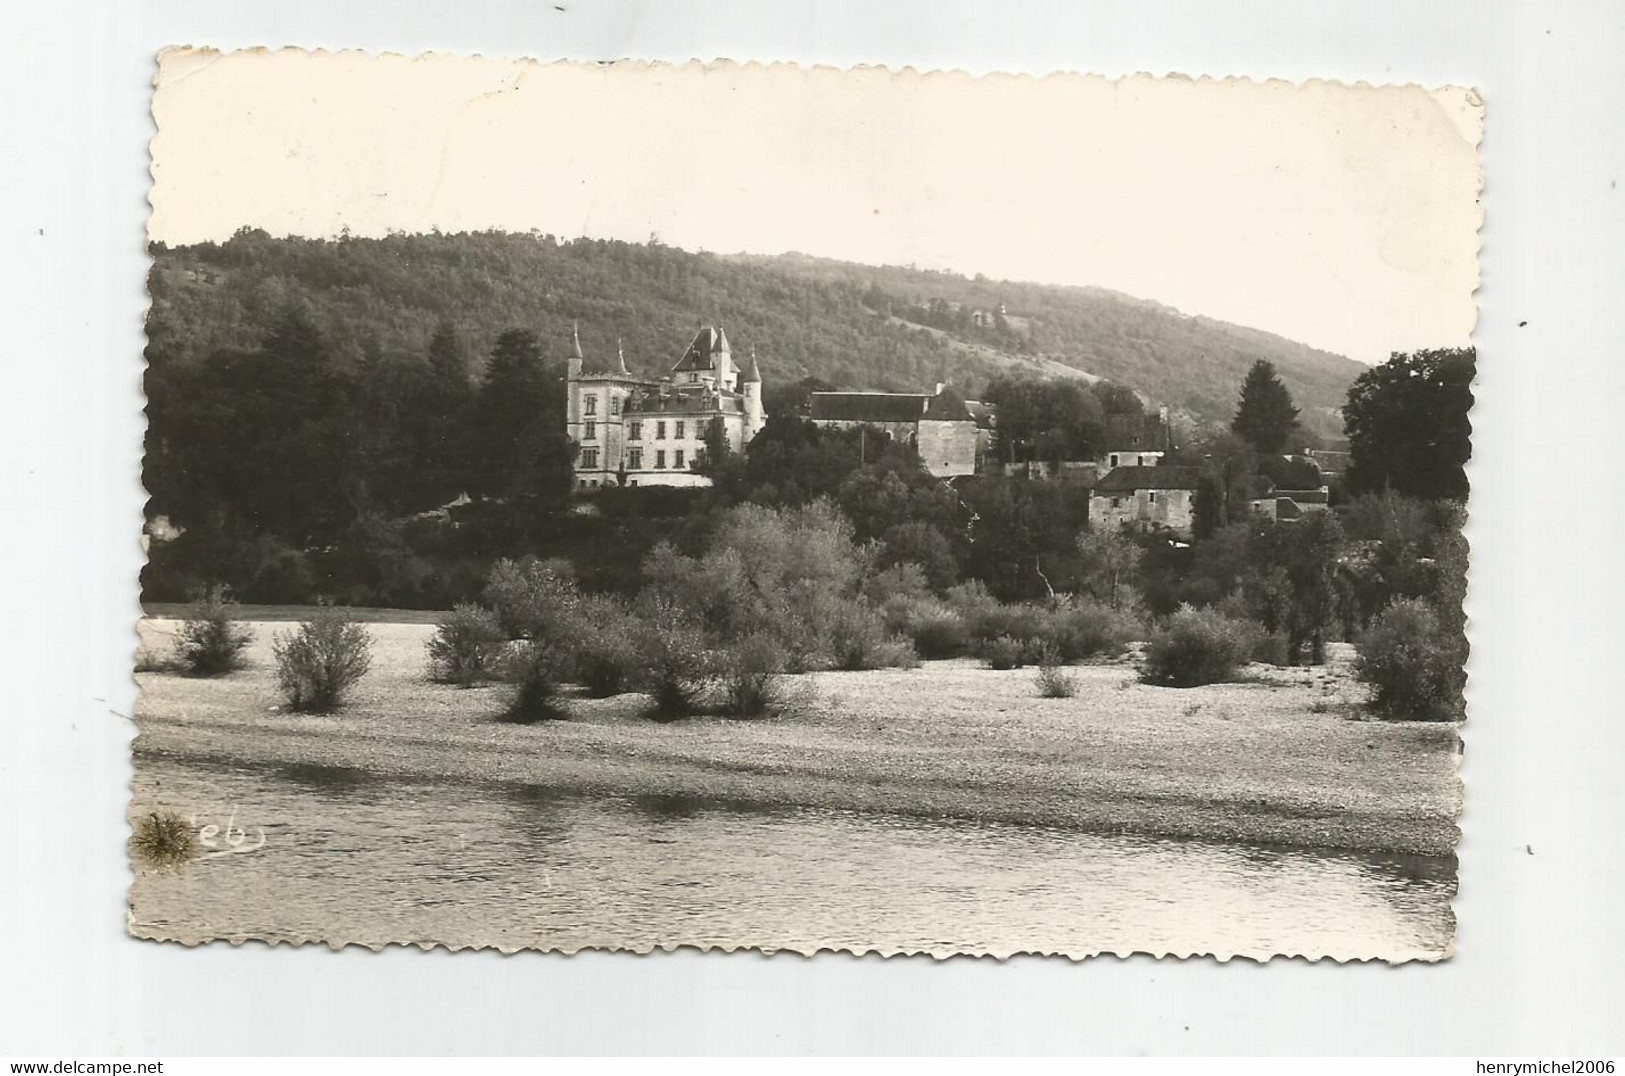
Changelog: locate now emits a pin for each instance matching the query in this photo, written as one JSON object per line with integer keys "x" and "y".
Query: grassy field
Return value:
{"x": 1282, "y": 758}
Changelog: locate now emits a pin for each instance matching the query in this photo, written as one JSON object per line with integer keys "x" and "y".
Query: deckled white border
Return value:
{"x": 1537, "y": 936}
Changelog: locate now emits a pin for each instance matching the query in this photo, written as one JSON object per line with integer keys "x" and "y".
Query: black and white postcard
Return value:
{"x": 631, "y": 506}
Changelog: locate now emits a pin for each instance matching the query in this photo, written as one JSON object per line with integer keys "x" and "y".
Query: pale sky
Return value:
{"x": 1343, "y": 217}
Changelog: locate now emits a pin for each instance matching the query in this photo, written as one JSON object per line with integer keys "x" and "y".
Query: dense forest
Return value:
{"x": 854, "y": 326}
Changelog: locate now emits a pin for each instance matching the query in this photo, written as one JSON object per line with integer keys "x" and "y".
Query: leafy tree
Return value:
{"x": 1306, "y": 551}
{"x": 1117, "y": 398}
{"x": 1045, "y": 419}
{"x": 1407, "y": 424}
{"x": 924, "y": 545}
{"x": 1110, "y": 563}
{"x": 793, "y": 461}
{"x": 258, "y": 441}
{"x": 794, "y": 398}
{"x": 1227, "y": 465}
{"x": 875, "y": 500}
{"x": 1413, "y": 664}
{"x": 1022, "y": 536}
{"x": 1266, "y": 415}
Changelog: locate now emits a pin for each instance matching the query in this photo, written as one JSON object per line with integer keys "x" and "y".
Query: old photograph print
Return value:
{"x": 633, "y": 506}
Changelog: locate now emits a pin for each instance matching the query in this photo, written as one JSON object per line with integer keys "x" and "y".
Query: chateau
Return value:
{"x": 644, "y": 431}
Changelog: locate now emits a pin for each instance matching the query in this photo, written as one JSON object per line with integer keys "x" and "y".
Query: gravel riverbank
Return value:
{"x": 1284, "y": 758}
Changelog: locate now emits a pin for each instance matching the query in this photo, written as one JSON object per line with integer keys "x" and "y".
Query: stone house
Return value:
{"x": 1145, "y": 497}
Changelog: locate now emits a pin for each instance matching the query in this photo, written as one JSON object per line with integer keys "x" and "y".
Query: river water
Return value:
{"x": 347, "y": 857}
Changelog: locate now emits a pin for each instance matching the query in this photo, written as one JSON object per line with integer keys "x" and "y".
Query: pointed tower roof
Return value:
{"x": 697, "y": 356}
{"x": 620, "y": 359}
{"x": 753, "y": 372}
{"x": 575, "y": 339}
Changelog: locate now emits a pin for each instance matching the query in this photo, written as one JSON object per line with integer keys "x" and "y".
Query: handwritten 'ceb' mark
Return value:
{"x": 235, "y": 838}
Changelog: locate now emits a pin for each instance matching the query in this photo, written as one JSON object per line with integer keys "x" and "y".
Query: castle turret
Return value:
{"x": 754, "y": 415}
{"x": 722, "y": 362}
{"x": 572, "y": 367}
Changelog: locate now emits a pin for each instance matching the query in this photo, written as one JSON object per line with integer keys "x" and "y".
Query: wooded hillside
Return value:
{"x": 853, "y": 325}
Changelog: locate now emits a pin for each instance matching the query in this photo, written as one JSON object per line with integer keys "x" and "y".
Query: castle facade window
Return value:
{"x": 634, "y": 459}
{"x": 677, "y": 459}
{"x": 660, "y": 460}
{"x": 590, "y": 405}
{"x": 589, "y": 431}
{"x": 589, "y": 459}
{"x": 634, "y": 431}
{"x": 660, "y": 431}
{"x": 679, "y": 433}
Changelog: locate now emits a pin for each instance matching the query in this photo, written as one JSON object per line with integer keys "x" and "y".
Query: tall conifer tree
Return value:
{"x": 1266, "y": 415}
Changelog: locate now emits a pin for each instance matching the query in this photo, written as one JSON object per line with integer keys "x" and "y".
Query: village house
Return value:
{"x": 940, "y": 426}
{"x": 1292, "y": 488}
{"x": 644, "y": 431}
{"x": 1145, "y": 497}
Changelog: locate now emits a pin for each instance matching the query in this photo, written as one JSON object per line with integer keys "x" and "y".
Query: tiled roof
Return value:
{"x": 868, "y": 406}
{"x": 1305, "y": 496}
{"x": 1127, "y": 479}
{"x": 1331, "y": 461}
{"x": 707, "y": 342}
{"x": 683, "y": 403}
{"x": 947, "y": 406}
{"x": 1141, "y": 433}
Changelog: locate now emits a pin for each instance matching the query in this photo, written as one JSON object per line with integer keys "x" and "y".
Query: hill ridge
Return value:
{"x": 858, "y": 326}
